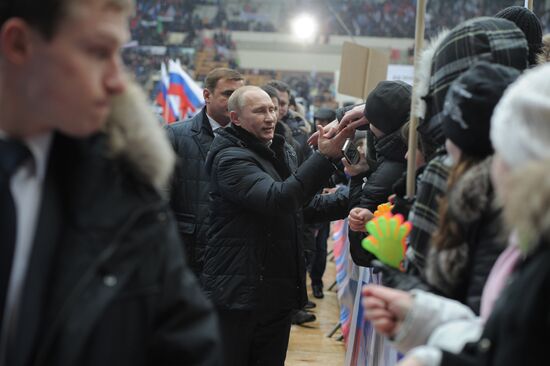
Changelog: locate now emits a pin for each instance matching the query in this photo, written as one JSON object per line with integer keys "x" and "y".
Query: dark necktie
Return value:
{"x": 12, "y": 154}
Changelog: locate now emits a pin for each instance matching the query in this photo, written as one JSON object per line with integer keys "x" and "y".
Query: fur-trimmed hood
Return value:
{"x": 473, "y": 206}
{"x": 136, "y": 136}
{"x": 421, "y": 90}
{"x": 526, "y": 204}
{"x": 544, "y": 55}
{"x": 472, "y": 194}
{"x": 424, "y": 72}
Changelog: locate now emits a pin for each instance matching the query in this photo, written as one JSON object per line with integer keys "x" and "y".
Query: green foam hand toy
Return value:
{"x": 387, "y": 239}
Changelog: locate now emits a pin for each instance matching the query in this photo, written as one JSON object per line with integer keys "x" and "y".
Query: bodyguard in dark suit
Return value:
{"x": 191, "y": 140}
{"x": 91, "y": 268}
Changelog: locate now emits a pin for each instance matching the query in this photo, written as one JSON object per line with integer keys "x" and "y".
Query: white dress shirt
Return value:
{"x": 215, "y": 125}
{"x": 26, "y": 189}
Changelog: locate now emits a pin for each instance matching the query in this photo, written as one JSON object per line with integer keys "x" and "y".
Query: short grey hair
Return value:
{"x": 237, "y": 100}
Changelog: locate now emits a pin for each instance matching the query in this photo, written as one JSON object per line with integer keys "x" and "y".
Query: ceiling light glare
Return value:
{"x": 304, "y": 27}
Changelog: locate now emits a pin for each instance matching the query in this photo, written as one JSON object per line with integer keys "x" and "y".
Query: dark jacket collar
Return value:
{"x": 237, "y": 136}
{"x": 200, "y": 123}
{"x": 391, "y": 147}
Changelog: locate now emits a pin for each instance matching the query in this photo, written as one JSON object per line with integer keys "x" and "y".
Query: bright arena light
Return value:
{"x": 304, "y": 26}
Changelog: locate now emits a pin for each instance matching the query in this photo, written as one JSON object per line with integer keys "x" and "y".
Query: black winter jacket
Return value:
{"x": 189, "y": 189}
{"x": 518, "y": 330}
{"x": 390, "y": 165}
{"x": 118, "y": 290}
{"x": 460, "y": 272}
{"x": 328, "y": 207}
{"x": 254, "y": 255}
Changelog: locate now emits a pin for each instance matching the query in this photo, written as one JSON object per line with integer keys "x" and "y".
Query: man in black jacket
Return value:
{"x": 91, "y": 268}
{"x": 387, "y": 110}
{"x": 191, "y": 141}
{"x": 254, "y": 265}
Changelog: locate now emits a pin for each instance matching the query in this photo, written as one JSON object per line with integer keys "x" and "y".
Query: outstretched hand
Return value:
{"x": 330, "y": 142}
{"x": 386, "y": 308}
{"x": 329, "y": 129}
{"x": 354, "y": 117}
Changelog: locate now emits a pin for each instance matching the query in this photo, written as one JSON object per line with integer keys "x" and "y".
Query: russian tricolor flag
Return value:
{"x": 163, "y": 99}
{"x": 187, "y": 94}
{"x": 178, "y": 95}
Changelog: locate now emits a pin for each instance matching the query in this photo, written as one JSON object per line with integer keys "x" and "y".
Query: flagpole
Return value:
{"x": 413, "y": 138}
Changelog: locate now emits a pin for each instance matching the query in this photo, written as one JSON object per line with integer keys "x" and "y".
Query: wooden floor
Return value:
{"x": 309, "y": 344}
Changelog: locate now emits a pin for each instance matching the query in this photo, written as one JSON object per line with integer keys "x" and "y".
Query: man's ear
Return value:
{"x": 206, "y": 94}
{"x": 16, "y": 40}
{"x": 234, "y": 116}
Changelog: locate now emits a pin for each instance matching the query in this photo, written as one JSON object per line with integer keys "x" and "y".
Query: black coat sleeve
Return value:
{"x": 241, "y": 180}
{"x": 379, "y": 185}
{"x": 328, "y": 207}
{"x": 355, "y": 191}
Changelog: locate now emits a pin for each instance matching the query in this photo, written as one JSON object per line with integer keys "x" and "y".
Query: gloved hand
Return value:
{"x": 394, "y": 278}
{"x": 387, "y": 239}
{"x": 402, "y": 206}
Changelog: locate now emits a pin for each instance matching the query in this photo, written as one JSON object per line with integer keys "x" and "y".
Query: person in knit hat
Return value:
{"x": 388, "y": 96}
{"x": 529, "y": 24}
{"x": 469, "y": 105}
{"x": 448, "y": 56}
{"x": 323, "y": 116}
{"x": 486, "y": 38}
{"x": 518, "y": 330}
{"x": 387, "y": 110}
{"x": 469, "y": 236}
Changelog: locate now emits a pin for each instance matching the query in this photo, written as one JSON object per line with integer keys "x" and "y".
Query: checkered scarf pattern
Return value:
{"x": 424, "y": 216}
{"x": 489, "y": 39}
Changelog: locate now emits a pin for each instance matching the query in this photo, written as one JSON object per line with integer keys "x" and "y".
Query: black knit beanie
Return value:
{"x": 529, "y": 24}
{"x": 388, "y": 105}
{"x": 469, "y": 105}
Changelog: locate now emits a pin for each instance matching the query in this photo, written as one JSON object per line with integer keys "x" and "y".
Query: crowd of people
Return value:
{"x": 124, "y": 242}
{"x": 393, "y": 18}
{"x": 396, "y": 18}
{"x": 155, "y": 20}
